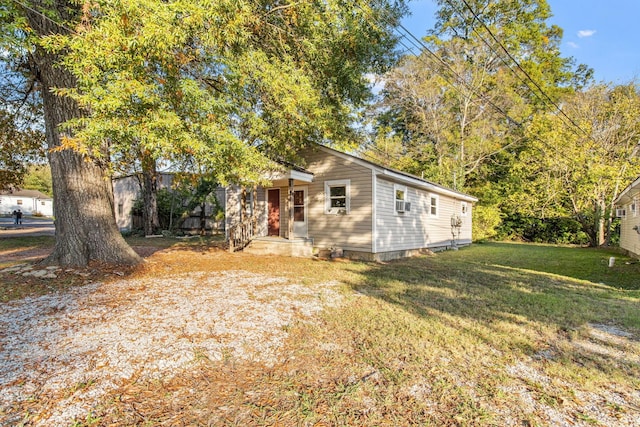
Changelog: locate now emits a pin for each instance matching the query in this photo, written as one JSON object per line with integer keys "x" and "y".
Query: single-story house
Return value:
{"x": 30, "y": 202}
{"x": 342, "y": 204}
{"x": 128, "y": 188}
{"x": 627, "y": 210}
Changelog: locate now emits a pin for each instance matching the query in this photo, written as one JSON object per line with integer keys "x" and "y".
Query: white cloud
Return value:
{"x": 586, "y": 33}
{"x": 573, "y": 45}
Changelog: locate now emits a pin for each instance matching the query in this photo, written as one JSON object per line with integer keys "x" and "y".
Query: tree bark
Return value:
{"x": 85, "y": 223}
{"x": 150, "y": 196}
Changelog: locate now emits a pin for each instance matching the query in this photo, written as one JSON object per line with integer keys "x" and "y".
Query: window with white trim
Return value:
{"x": 337, "y": 196}
{"x": 433, "y": 205}
{"x": 401, "y": 199}
{"x": 463, "y": 209}
{"x": 633, "y": 207}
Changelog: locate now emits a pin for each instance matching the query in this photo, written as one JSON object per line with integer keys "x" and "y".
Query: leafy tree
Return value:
{"x": 85, "y": 224}
{"x": 462, "y": 106}
{"x": 18, "y": 147}
{"x": 203, "y": 192}
{"x": 22, "y": 137}
{"x": 579, "y": 172}
{"x": 461, "y": 102}
{"x": 227, "y": 84}
{"x": 38, "y": 177}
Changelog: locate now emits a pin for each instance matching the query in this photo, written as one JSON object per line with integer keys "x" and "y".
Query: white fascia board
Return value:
{"x": 415, "y": 182}
{"x": 293, "y": 174}
{"x": 301, "y": 176}
{"x": 395, "y": 176}
{"x": 628, "y": 193}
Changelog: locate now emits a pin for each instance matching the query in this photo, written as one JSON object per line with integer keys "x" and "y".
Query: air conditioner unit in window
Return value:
{"x": 621, "y": 213}
{"x": 407, "y": 206}
{"x": 400, "y": 205}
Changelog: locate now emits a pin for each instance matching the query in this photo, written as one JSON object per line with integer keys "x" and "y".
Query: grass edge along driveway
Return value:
{"x": 496, "y": 334}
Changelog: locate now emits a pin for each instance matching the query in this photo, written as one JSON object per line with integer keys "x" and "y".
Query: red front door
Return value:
{"x": 273, "y": 196}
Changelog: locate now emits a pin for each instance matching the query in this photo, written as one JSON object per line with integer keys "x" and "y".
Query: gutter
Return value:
{"x": 394, "y": 176}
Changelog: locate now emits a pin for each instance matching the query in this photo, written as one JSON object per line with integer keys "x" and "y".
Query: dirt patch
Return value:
{"x": 63, "y": 352}
{"x": 24, "y": 255}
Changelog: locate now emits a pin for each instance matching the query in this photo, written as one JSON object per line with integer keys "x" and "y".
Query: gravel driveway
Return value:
{"x": 60, "y": 353}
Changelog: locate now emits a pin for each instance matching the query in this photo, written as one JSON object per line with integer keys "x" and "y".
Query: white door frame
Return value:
{"x": 301, "y": 228}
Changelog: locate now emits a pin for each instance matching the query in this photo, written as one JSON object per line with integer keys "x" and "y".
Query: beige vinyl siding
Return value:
{"x": 352, "y": 231}
{"x": 232, "y": 204}
{"x": 416, "y": 228}
{"x": 629, "y": 238}
{"x": 125, "y": 192}
{"x": 466, "y": 230}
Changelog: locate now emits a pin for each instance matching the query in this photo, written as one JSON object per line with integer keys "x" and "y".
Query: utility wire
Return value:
{"x": 416, "y": 42}
{"x": 515, "y": 61}
{"x": 45, "y": 17}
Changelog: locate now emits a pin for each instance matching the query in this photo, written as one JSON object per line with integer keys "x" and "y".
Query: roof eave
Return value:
{"x": 628, "y": 193}
{"x": 401, "y": 177}
{"x": 425, "y": 185}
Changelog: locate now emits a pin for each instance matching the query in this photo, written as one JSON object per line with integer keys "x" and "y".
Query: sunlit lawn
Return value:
{"x": 495, "y": 334}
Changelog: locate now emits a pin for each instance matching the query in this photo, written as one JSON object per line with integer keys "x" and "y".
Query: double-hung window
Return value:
{"x": 433, "y": 205}
{"x": 337, "y": 196}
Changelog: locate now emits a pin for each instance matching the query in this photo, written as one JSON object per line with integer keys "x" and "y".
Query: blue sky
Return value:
{"x": 604, "y": 34}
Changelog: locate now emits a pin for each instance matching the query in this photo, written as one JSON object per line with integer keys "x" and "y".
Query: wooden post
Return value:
{"x": 243, "y": 204}
{"x": 290, "y": 205}
{"x": 254, "y": 209}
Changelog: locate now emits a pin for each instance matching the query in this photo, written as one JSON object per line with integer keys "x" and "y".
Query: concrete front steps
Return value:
{"x": 298, "y": 247}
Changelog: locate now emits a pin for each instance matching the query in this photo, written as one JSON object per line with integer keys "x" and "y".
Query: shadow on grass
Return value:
{"x": 590, "y": 264}
{"x": 491, "y": 291}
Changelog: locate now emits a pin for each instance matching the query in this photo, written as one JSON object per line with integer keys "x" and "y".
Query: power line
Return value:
{"x": 461, "y": 80}
{"x": 527, "y": 75}
{"x": 420, "y": 44}
{"x": 45, "y": 17}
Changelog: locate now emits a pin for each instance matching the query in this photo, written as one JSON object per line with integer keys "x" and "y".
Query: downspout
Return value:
{"x": 374, "y": 210}
{"x": 290, "y": 207}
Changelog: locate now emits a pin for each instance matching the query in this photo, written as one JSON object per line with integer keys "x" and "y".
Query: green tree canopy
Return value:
{"x": 230, "y": 84}
{"x": 579, "y": 171}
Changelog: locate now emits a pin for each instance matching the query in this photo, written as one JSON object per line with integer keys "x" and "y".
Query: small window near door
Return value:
{"x": 298, "y": 205}
{"x": 337, "y": 196}
{"x": 463, "y": 209}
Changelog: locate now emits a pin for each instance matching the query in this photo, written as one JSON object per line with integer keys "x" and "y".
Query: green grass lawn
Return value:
{"x": 491, "y": 335}
{"x": 495, "y": 334}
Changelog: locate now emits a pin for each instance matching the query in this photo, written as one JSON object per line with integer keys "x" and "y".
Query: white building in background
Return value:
{"x": 30, "y": 202}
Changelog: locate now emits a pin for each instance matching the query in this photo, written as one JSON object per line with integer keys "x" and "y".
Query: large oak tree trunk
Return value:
{"x": 83, "y": 197}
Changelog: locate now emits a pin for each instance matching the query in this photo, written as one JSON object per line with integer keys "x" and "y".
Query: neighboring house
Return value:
{"x": 342, "y": 204}
{"x": 30, "y": 202}
{"x": 627, "y": 210}
{"x": 127, "y": 189}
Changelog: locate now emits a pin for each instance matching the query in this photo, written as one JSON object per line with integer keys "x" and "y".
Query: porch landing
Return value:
{"x": 299, "y": 247}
